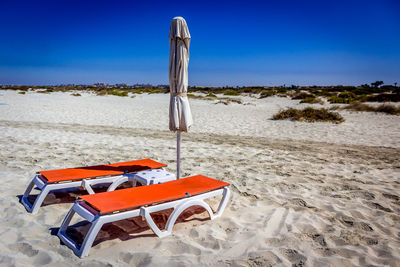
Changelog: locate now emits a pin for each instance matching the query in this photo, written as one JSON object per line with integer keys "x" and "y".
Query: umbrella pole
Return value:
{"x": 178, "y": 154}
{"x": 178, "y": 133}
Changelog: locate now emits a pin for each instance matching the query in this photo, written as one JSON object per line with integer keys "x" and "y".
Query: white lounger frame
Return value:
{"x": 99, "y": 220}
{"x": 46, "y": 187}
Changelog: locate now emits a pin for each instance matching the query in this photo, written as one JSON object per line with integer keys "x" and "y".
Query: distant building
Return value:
{"x": 121, "y": 85}
{"x": 101, "y": 85}
{"x": 143, "y": 85}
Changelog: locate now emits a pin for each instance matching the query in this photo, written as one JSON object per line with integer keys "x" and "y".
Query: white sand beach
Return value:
{"x": 303, "y": 194}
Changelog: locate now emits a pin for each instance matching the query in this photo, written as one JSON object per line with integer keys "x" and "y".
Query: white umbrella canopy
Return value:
{"x": 180, "y": 116}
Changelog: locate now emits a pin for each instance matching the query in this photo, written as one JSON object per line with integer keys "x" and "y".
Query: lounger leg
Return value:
{"x": 83, "y": 250}
{"x": 90, "y": 237}
{"x": 144, "y": 212}
{"x": 29, "y": 189}
{"x": 39, "y": 200}
{"x": 67, "y": 220}
{"x": 118, "y": 182}
{"x": 177, "y": 211}
{"x": 182, "y": 207}
{"x": 24, "y": 199}
{"x": 44, "y": 190}
{"x": 87, "y": 186}
{"x": 224, "y": 202}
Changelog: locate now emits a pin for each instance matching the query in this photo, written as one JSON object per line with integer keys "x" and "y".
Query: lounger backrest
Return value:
{"x": 61, "y": 175}
{"x": 152, "y": 194}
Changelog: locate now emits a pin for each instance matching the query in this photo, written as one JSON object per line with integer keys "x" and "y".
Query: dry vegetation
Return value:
{"x": 383, "y": 108}
{"x": 220, "y": 100}
{"x": 376, "y": 92}
{"x": 309, "y": 115}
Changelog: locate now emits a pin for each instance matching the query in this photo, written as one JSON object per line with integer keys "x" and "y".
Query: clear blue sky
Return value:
{"x": 233, "y": 42}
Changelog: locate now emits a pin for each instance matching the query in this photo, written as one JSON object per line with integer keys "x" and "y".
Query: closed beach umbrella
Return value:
{"x": 180, "y": 117}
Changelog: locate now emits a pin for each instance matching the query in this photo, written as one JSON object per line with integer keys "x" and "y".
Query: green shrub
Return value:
{"x": 227, "y": 101}
{"x": 323, "y": 92}
{"x": 211, "y": 95}
{"x": 384, "y": 108}
{"x": 282, "y": 90}
{"x": 339, "y": 100}
{"x": 341, "y": 88}
{"x": 201, "y": 97}
{"x": 388, "y": 109}
{"x": 231, "y": 92}
{"x": 384, "y": 98}
{"x": 22, "y": 93}
{"x": 101, "y": 92}
{"x": 387, "y": 88}
{"x": 265, "y": 94}
{"x": 343, "y": 98}
{"x": 118, "y": 93}
{"x": 365, "y": 90}
{"x": 309, "y": 115}
{"x": 303, "y": 95}
{"x": 347, "y": 94}
{"x": 309, "y": 100}
{"x": 47, "y": 91}
{"x": 76, "y": 94}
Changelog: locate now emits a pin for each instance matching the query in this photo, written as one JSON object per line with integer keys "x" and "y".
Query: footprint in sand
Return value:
{"x": 25, "y": 249}
{"x": 390, "y": 196}
{"x": 378, "y": 206}
{"x": 294, "y": 257}
{"x": 42, "y": 259}
{"x": 263, "y": 258}
{"x": 136, "y": 259}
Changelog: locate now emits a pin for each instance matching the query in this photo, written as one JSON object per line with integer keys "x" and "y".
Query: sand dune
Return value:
{"x": 303, "y": 194}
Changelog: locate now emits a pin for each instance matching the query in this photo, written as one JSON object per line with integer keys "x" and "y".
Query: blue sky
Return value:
{"x": 233, "y": 42}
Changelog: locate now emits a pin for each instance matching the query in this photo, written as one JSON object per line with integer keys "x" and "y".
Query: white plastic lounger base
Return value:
{"x": 45, "y": 187}
{"x": 99, "y": 220}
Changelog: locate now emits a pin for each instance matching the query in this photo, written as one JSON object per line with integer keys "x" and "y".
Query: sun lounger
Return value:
{"x": 107, "y": 207}
{"x": 86, "y": 177}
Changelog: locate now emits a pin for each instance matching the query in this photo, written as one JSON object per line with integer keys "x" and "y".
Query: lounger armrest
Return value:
{"x": 85, "y": 211}
{"x": 39, "y": 182}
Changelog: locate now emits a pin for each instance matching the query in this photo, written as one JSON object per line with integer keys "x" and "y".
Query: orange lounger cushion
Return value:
{"x": 79, "y": 173}
{"x": 151, "y": 194}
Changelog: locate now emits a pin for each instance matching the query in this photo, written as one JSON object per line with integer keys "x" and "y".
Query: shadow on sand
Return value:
{"x": 69, "y": 195}
{"x": 129, "y": 228}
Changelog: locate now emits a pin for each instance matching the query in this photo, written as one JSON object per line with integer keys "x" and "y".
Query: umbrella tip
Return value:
{"x": 178, "y": 18}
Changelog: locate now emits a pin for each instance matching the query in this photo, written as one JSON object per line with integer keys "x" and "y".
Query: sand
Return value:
{"x": 315, "y": 194}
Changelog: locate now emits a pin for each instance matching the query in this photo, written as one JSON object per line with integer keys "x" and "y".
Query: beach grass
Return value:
{"x": 212, "y": 97}
{"x": 383, "y": 108}
{"x": 118, "y": 93}
{"x": 231, "y": 93}
{"x": 303, "y": 95}
{"x": 47, "y": 91}
{"x": 227, "y": 101}
{"x": 266, "y": 94}
{"x": 309, "y": 114}
{"x": 312, "y": 100}
{"x": 307, "y": 94}
{"x": 385, "y": 97}
{"x": 345, "y": 97}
